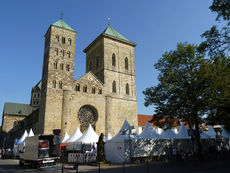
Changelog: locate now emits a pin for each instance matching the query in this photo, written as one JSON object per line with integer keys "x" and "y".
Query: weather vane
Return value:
{"x": 109, "y": 20}
{"x": 61, "y": 15}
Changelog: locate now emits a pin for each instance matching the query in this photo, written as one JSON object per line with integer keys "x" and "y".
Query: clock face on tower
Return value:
{"x": 87, "y": 115}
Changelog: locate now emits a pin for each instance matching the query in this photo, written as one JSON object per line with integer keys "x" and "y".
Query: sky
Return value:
{"x": 155, "y": 26}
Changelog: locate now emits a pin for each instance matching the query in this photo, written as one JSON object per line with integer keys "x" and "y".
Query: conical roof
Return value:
{"x": 112, "y": 32}
{"x": 149, "y": 132}
{"x": 123, "y": 134}
{"x": 168, "y": 134}
{"x": 31, "y": 133}
{"x": 211, "y": 132}
{"x": 75, "y": 136}
{"x": 125, "y": 126}
{"x": 90, "y": 136}
{"x": 204, "y": 136}
{"x": 65, "y": 138}
{"x": 23, "y": 137}
{"x": 61, "y": 23}
{"x": 225, "y": 133}
{"x": 183, "y": 132}
{"x": 108, "y": 137}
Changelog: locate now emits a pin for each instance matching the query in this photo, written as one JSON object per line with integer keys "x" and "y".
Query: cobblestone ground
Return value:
{"x": 213, "y": 166}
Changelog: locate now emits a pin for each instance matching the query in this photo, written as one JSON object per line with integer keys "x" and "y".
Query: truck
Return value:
{"x": 39, "y": 151}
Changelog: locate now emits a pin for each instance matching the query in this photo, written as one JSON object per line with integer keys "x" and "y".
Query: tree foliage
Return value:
{"x": 178, "y": 94}
{"x": 222, "y": 8}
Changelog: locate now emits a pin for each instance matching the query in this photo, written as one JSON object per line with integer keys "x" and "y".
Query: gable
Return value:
{"x": 89, "y": 79}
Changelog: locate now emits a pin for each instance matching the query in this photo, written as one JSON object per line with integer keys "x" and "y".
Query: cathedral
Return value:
{"x": 104, "y": 96}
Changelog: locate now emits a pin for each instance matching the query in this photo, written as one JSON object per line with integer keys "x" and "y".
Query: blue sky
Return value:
{"x": 156, "y": 27}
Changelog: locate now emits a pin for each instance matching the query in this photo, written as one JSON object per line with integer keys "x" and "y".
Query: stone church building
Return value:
{"x": 103, "y": 97}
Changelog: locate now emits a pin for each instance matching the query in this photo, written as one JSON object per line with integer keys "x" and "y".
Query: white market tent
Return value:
{"x": 89, "y": 137}
{"x": 116, "y": 150}
{"x": 65, "y": 138}
{"x": 23, "y": 137}
{"x": 31, "y": 133}
{"x": 211, "y": 132}
{"x": 168, "y": 134}
{"x": 108, "y": 137}
{"x": 149, "y": 133}
{"x": 75, "y": 136}
{"x": 203, "y": 135}
{"x": 225, "y": 133}
{"x": 183, "y": 132}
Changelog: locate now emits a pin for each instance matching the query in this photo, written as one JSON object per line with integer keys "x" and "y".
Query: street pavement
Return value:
{"x": 213, "y": 166}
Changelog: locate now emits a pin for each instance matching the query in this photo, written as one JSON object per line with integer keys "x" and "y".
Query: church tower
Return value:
{"x": 57, "y": 77}
{"x": 111, "y": 58}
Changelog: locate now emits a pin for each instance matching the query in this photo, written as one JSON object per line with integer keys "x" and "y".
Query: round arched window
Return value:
{"x": 87, "y": 115}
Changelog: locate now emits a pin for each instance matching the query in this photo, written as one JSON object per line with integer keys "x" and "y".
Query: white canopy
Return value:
{"x": 75, "y": 136}
{"x": 65, "y": 138}
{"x": 90, "y": 136}
{"x": 116, "y": 150}
{"x": 225, "y": 133}
{"x": 149, "y": 132}
{"x": 168, "y": 134}
{"x": 31, "y": 133}
{"x": 23, "y": 137}
{"x": 183, "y": 132}
{"x": 204, "y": 136}
{"x": 211, "y": 132}
{"x": 108, "y": 137}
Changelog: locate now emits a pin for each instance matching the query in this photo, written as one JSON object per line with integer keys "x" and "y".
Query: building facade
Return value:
{"x": 104, "y": 97}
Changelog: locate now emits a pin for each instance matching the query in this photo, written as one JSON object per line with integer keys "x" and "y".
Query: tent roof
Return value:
{"x": 168, "y": 134}
{"x": 121, "y": 136}
{"x": 211, "y": 132}
{"x": 90, "y": 136}
{"x": 149, "y": 132}
{"x": 31, "y": 133}
{"x": 108, "y": 137}
{"x": 183, "y": 132}
{"x": 23, "y": 137}
{"x": 75, "y": 136}
{"x": 65, "y": 138}
{"x": 203, "y": 135}
{"x": 225, "y": 133}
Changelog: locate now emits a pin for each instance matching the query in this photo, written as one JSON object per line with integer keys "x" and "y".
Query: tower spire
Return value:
{"x": 61, "y": 15}
{"x": 109, "y": 21}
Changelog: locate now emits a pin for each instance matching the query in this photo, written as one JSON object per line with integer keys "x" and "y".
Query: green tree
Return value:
{"x": 217, "y": 40}
{"x": 179, "y": 93}
{"x": 216, "y": 46}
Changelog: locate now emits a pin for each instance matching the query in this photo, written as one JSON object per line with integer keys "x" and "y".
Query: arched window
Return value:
{"x": 93, "y": 90}
{"x": 114, "y": 87}
{"x": 55, "y": 65}
{"x": 68, "y": 53}
{"x": 85, "y": 89}
{"x": 15, "y": 123}
{"x": 63, "y": 40}
{"x": 57, "y": 37}
{"x": 127, "y": 89}
{"x": 67, "y": 67}
{"x": 61, "y": 66}
{"x": 113, "y": 60}
{"x": 126, "y": 63}
{"x": 63, "y": 52}
{"x": 54, "y": 84}
{"x": 70, "y": 41}
{"x": 99, "y": 91}
{"x": 60, "y": 84}
{"x": 78, "y": 87}
{"x": 56, "y": 50}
